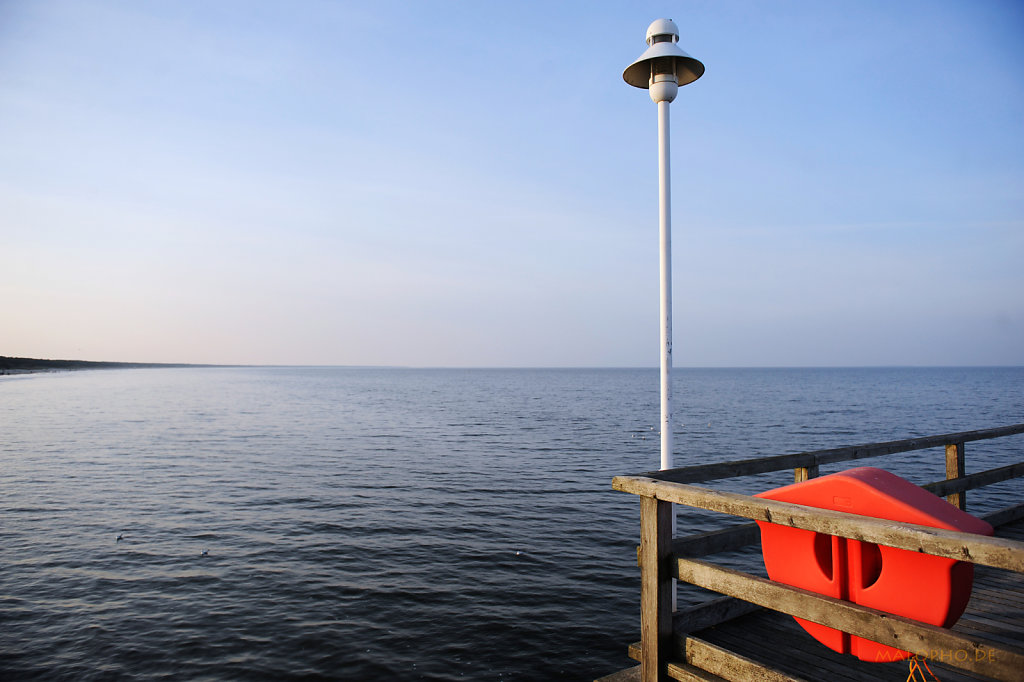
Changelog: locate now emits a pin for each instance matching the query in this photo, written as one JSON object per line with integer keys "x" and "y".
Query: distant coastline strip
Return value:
{"x": 10, "y": 365}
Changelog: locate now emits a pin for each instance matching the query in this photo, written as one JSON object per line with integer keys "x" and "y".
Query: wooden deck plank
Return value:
{"x": 730, "y": 665}
{"x": 993, "y": 594}
{"x": 973, "y": 628}
{"x": 783, "y": 645}
{"x": 996, "y": 624}
{"x": 993, "y": 602}
{"x": 771, "y": 629}
{"x": 684, "y": 672}
{"x": 998, "y": 588}
{"x": 626, "y": 675}
{"x": 991, "y": 599}
{"x": 765, "y": 647}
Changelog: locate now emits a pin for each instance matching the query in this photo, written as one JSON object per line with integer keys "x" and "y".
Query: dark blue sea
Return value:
{"x": 392, "y": 524}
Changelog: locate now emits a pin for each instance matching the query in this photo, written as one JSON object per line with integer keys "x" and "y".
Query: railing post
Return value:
{"x": 801, "y": 474}
{"x": 655, "y": 588}
{"x": 955, "y": 469}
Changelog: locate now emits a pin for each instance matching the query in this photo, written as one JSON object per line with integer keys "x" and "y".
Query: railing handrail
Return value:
{"x": 759, "y": 465}
{"x": 660, "y": 564}
{"x": 979, "y": 549}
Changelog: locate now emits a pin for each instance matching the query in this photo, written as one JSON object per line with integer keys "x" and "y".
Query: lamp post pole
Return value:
{"x": 665, "y": 269}
{"x": 661, "y": 69}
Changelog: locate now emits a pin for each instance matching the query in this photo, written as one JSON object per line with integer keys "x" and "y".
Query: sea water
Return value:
{"x": 400, "y": 524}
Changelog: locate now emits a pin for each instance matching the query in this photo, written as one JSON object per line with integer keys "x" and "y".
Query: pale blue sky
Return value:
{"x": 473, "y": 184}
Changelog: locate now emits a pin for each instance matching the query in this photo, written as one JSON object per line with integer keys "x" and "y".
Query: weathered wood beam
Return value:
{"x": 655, "y": 587}
{"x": 625, "y": 675}
{"x": 955, "y": 469}
{"x": 978, "y": 549}
{"x": 678, "y": 670}
{"x": 729, "y": 665}
{"x": 760, "y": 465}
{"x": 1005, "y": 515}
{"x": 741, "y": 535}
{"x": 685, "y": 672}
{"x": 801, "y": 474}
{"x": 979, "y": 657}
{"x": 710, "y": 613}
{"x": 715, "y": 541}
{"x": 978, "y": 480}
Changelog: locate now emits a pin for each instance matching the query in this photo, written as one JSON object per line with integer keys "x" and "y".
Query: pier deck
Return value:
{"x": 736, "y": 640}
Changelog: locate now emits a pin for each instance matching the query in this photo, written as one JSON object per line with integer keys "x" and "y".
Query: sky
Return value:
{"x": 469, "y": 184}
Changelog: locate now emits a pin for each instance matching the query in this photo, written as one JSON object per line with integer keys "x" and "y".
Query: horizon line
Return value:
{"x": 69, "y": 363}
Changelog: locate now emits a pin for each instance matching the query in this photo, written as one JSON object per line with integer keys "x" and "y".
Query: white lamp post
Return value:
{"x": 662, "y": 68}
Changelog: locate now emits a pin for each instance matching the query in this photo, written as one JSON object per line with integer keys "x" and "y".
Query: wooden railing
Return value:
{"x": 663, "y": 649}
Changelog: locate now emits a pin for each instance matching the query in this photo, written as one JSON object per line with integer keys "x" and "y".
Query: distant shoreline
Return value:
{"x": 9, "y": 365}
{"x": 13, "y": 366}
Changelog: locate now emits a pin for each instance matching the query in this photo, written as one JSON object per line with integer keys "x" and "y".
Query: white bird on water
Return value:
{"x": 120, "y": 537}
{"x": 204, "y": 552}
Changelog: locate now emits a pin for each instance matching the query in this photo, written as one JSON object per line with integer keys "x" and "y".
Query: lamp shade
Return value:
{"x": 664, "y": 53}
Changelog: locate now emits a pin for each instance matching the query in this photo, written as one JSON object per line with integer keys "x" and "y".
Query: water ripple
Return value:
{"x": 342, "y": 524}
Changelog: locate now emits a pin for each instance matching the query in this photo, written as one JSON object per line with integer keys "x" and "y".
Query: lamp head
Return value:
{"x": 663, "y": 66}
{"x": 665, "y": 28}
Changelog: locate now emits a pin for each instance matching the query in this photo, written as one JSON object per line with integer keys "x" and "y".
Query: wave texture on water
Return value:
{"x": 358, "y": 524}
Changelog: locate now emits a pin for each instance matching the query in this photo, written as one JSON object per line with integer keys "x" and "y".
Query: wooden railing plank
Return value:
{"x": 760, "y": 465}
{"x": 978, "y": 549}
{"x": 731, "y": 666}
{"x": 710, "y": 613}
{"x": 715, "y": 541}
{"x": 1001, "y": 517}
{"x": 742, "y": 535}
{"x": 903, "y": 633}
{"x": 685, "y": 672}
{"x": 978, "y": 480}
